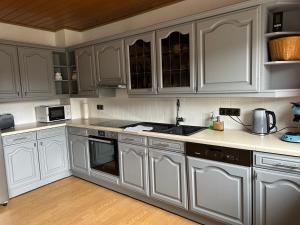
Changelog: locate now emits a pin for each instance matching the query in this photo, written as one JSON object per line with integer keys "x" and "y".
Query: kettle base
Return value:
{"x": 291, "y": 137}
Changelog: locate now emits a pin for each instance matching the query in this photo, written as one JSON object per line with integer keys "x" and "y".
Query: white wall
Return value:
{"x": 24, "y": 112}
{"x": 195, "y": 110}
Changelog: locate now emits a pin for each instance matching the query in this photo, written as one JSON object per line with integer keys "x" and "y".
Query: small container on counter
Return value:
{"x": 218, "y": 124}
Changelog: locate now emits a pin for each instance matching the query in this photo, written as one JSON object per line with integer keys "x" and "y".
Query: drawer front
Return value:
{"x": 176, "y": 146}
{"x": 52, "y": 132}
{"x": 279, "y": 162}
{"x": 132, "y": 139}
{"x": 78, "y": 131}
{"x": 19, "y": 138}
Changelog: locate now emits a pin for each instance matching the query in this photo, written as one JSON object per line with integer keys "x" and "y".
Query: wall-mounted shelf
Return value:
{"x": 274, "y": 63}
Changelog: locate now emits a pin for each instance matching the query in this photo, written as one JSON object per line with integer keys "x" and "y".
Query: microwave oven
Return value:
{"x": 52, "y": 113}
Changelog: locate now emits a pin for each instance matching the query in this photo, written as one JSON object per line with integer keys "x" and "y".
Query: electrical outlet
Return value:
{"x": 229, "y": 111}
{"x": 100, "y": 107}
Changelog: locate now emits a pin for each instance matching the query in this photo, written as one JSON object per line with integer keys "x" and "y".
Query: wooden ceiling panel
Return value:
{"x": 73, "y": 14}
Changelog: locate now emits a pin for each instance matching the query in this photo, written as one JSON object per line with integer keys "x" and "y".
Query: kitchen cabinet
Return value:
{"x": 168, "y": 177}
{"x": 277, "y": 198}
{"x": 133, "y": 162}
{"x": 10, "y": 87}
{"x": 228, "y": 53}
{"x": 53, "y": 156}
{"x": 110, "y": 63}
{"x": 36, "y": 70}
{"x": 79, "y": 155}
{"x": 22, "y": 165}
{"x": 86, "y": 71}
{"x": 220, "y": 191}
{"x": 141, "y": 64}
{"x": 176, "y": 59}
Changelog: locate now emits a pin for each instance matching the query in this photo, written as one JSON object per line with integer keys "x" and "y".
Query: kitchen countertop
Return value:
{"x": 228, "y": 138}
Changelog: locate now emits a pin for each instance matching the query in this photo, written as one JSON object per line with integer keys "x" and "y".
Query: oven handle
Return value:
{"x": 100, "y": 140}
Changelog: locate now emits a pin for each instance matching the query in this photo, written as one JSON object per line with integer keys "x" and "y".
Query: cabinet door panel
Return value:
{"x": 134, "y": 167}
{"x": 277, "y": 198}
{"x": 140, "y": 64}
{"x": 9, "y": 73}
{"x": 168, "y": 177}
{"x": 110, "y": 63}
{"x": 79, "y": 154}
{"x": 53, "y": 156}
{"x": 220, "y": 191}
{"x": 176, "y": 59}
{"x": 36, "y": 68}
{"x": 22, "y": 164}
{"x": 85, "y": 64}
{"x": 228, "y": 53}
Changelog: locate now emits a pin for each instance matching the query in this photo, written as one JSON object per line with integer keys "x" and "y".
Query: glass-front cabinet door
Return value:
{"x": 140, "y": 64}
{"x": 176, "y": 59}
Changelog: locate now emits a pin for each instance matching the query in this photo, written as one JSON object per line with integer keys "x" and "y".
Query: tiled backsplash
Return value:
{"x": 196, "y": 111}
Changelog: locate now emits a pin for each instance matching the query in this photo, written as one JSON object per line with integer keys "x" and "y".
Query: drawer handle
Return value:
{"x": 162, "y": 145}
{"x": 20, "y": 139}
{"x": 286, "y": 166}
{"x": 128, "y": 139}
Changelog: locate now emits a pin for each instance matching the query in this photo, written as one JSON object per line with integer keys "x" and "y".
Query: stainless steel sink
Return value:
{"x": 184, "y": 130}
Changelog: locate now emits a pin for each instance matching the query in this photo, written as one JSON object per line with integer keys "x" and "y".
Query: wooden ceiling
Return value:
{"x": 78, "y": 15}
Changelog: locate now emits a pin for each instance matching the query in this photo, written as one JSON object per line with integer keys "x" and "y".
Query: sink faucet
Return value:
{"x": 178, "y": 119}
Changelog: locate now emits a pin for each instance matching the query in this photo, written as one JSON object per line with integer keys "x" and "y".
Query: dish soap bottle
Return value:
{"x": 211, "y": 120}
{"x": 218, "y": 125}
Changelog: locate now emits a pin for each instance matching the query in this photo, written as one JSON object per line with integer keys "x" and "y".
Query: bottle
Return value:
{"x": 218, "y": 125}
{"x": 211, "y": 120}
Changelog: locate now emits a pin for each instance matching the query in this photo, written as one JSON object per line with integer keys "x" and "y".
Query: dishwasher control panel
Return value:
{"x": 220, "y": 154}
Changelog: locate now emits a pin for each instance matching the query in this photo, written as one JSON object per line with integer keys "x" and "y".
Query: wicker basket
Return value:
{"x": 286, "y": 48}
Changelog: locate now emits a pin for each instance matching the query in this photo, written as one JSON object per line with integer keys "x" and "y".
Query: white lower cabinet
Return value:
{"x": 53, "y": 156}
{"x": 277, "y": 198}
{"x": 30, "y": 165}
{"x": 220, "y": 191}
{"x": 79, "y": 154}
{"x": 168, "y": 177}
{"x": 133, "y": 162}
{"x": 22, "y": 166}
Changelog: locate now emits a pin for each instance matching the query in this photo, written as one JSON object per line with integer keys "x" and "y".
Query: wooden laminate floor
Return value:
{"x": 77, "y": 202}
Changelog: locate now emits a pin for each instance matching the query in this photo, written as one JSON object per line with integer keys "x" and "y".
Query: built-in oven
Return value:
{"x": 103, "y": 149}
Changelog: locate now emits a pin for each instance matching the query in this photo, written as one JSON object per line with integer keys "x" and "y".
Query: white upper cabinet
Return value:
{"x": 176, "y": 59}
{"x": 228, "y": 53}
{"x": 110, "y": 63}
{"x": 140, "y": 64}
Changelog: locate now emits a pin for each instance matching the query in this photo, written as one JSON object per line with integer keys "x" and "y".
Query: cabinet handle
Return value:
{"x": 25, "y": 93}
{"x": 18, "y": 93}
{"x": 41, "y": 143}
{"x": 34, "y": 144}
{"x": 128, "y": 139}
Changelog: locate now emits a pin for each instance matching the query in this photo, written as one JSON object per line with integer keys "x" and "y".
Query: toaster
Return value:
{"x": 6, "y": 121}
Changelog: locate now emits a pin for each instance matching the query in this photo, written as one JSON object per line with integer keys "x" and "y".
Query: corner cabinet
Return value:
{"x": 36, "y": 70}
{"x": 79, "y": 154}
{"x": 176, "y": 59}
{"x": 141, "y": 64}
{"x": 10, "y": 87}
{"x": 228, "y": 53}
{"x": 133, "y": 161}
{"x": 168, "y": 177}
{"x": 277, "y": 198}
{"x": 86, "y": 70}
{"x": 220, "y": 191}
{"x": 110, "y": 63}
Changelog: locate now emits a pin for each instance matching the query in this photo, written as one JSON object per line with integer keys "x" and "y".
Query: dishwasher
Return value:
{"x": 220, "y": 183}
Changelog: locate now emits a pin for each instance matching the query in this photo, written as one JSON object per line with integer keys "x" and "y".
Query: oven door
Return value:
{"x": 56, "y": 113}
{"x": 104, "y": 155}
